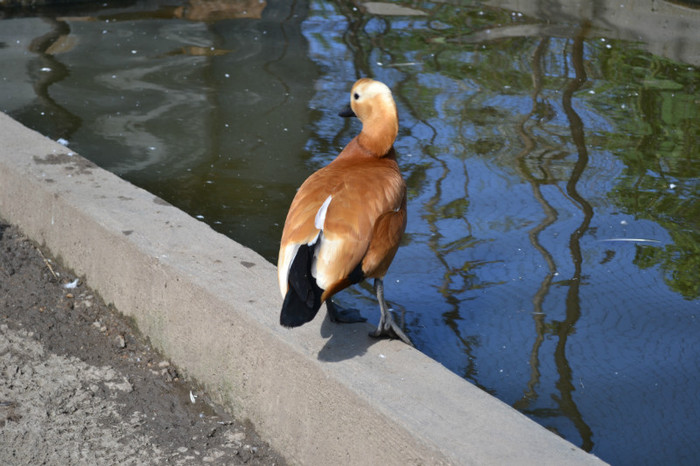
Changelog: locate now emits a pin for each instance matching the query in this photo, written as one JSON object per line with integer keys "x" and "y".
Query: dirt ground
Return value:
{"x": 79, "y": 385}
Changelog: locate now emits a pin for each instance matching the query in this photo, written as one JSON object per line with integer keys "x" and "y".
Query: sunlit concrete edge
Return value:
{"x": 321, "y": 394}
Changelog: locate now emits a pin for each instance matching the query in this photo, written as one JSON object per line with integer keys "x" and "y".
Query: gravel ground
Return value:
{"x": 79, "y": 385}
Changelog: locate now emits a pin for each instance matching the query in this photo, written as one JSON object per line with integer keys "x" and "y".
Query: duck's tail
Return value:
{"x": 303, "y": 299}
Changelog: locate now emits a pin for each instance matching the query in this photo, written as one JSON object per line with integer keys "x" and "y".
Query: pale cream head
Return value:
{"x": 373, "y": 104}
{"x": 368, "y": 98}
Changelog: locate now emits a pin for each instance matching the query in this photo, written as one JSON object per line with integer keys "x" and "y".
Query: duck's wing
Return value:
{"x": 324, "y": 216}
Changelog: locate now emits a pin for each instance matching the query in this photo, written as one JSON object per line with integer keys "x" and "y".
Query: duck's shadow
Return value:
{"x": 345, "y": 341}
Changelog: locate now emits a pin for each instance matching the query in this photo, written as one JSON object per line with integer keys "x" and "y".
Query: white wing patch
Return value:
{"x": 285, "y": 265}
{"x": 321, "y": 214}
{"x": 319, "y": 240}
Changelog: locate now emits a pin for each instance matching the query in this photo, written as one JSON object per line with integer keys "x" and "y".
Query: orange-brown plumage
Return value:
{"x": 348, "y": 217}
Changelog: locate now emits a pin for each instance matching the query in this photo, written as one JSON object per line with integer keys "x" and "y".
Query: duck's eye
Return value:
{"x": 356, "y": 96}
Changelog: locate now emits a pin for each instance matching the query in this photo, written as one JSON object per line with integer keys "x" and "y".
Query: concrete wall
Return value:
{"x": 322, "y": 394}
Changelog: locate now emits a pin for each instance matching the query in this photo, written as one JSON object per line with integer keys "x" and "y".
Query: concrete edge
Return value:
{"x": 321, "y": 394}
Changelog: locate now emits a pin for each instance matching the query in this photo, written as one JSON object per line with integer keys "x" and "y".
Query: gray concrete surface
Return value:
{"x": 322, "y": 394}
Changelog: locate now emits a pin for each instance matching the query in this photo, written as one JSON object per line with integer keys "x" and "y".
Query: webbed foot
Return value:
{"x": 390, "y": 329}
{"x": 387, "y": 326}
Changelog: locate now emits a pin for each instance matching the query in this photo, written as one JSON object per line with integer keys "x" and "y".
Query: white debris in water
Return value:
{"x": 623, "y": 222}
{"x": 631, "y": 240}
{"x": 672, "y": 186}
{"x": 46, "y": 68}
{"x": 72, "y": 284}
{"x": 63, "y": 142}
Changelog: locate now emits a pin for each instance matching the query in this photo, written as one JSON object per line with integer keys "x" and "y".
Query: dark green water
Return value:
{"x": 552, "y": 154}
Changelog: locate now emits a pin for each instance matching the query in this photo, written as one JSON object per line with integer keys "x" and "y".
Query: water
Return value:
{"x": 536, "y": 141}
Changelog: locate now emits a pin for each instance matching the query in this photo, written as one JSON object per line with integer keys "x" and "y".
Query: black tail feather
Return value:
{"x": 303, "y": 299}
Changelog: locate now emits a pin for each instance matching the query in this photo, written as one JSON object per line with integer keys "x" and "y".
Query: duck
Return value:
{"x": 346, "y": 220}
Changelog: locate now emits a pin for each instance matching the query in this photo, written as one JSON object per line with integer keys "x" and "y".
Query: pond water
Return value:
{"x": 551, "y": 151}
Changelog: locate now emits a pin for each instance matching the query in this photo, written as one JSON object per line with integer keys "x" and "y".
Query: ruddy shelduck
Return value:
{"x": 346, "y": 220}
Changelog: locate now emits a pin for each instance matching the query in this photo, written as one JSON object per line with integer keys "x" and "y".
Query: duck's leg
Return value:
{"x": 387, "y": 326}
{"x": 343, "y": 316}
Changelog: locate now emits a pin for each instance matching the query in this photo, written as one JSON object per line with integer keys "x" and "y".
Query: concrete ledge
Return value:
{"x": 322, "y": 394}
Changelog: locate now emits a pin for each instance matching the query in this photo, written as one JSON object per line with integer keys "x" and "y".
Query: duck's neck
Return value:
{"x": 379, "y": 133}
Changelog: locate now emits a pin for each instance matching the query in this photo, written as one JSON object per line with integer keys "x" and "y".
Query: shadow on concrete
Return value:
{"x": 344, "y": 341}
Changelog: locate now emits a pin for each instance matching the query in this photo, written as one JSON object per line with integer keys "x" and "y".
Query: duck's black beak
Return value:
{"x": 347, "y": 112}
